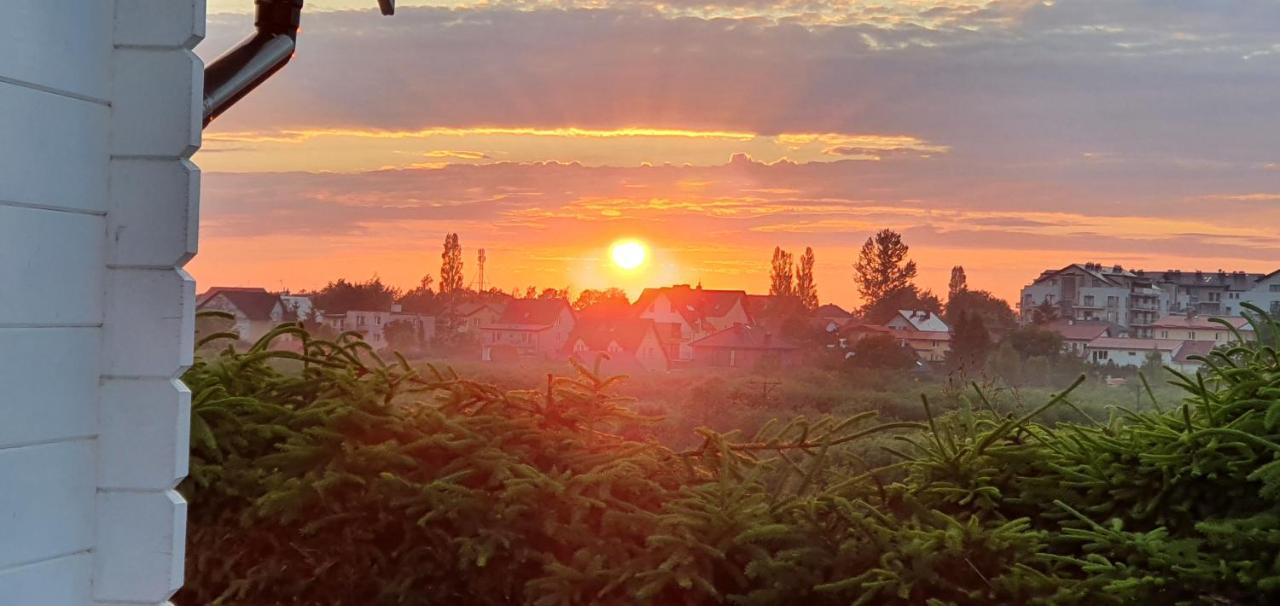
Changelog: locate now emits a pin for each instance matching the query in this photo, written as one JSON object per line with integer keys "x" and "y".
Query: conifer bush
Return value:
{"x": 325, "y": 475}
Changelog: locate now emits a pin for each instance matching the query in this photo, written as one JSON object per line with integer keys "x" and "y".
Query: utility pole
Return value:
{"x": 481, "y": 259}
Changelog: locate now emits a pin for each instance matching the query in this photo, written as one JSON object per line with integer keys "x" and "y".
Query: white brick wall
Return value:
{"x": 99, "y": 114}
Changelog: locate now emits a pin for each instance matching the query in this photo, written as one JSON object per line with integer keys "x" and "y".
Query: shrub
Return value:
{"x": 330, "y": 477}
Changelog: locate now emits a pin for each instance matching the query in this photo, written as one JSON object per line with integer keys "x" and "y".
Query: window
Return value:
{"x": 1113, "y": 301}
{"x": 1275, "y": 288}
{"x": 1164, "y": 334}
{"x": 377, "y": 320}
{"x": 1191, "y": 335}
{"x": 1088, "y": 300}
{"x": 360, "y": 320}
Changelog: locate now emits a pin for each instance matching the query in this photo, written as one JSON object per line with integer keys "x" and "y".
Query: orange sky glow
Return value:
{"x": 1007, "y": 136}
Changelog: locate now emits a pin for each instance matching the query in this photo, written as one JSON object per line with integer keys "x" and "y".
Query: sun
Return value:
{"x": 628, "y": 254}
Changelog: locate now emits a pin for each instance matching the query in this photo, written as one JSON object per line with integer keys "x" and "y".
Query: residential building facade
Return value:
{"x": 1135, "y": 299}
{"x": 528, "y": 328}
{"x": 683, "y": 314}
{"x": 618, "y": 345}
{"x": 926, "y": 333}
{"x": 256, "y": 311}
{"x": 743, "y": 346}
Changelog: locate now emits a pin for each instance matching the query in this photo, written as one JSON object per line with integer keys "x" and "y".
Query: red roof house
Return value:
{"x": 743, "y": 346}
{"x": 619, "y": 345}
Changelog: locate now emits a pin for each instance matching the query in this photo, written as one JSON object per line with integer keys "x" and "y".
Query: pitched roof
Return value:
{"x": 742, "y": 336}
{"x": 925, "y": 321}
{"x": 1169, "y": 345}
{"x": 831, "y": 310}
{"x": 255, "y": 303}
{"x": 1079, "y": 330}
{"x": 597, "y": 334}
{"x": 695, "y": 305}
{"x": 463, "y": 310}
{"x": 533, "y": 312}
{"x": 1200, "y": 322}
{"x": 1193, "y": 348}
{"x": 856, "y": 327}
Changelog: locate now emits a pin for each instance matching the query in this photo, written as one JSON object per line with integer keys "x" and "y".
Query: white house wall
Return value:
{"x": 99, "y": 113}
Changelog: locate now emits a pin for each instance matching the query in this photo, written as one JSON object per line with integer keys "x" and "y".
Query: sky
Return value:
{"x": 1007, "y": 136}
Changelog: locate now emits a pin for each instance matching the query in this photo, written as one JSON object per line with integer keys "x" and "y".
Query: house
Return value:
{"x": 743, "y": 346}
{"x": 101, "y": 116}
{"x": 528, "y": 328}
{"x": 1131, "y": 352}
{"x": 1077, "y": 334}
{"x": 471, "y": 317}
{"x": 1182, "y": 360}
{"x": 373, "y": 324}
{"x": 301, "y": 306}
{"x": 926, "y": 333}
{"x": 627, "y": 344}
{"x": 1189, "y": 327}
{"x": 831, "y": 318}
{"x": 1264, "y": 293}
{"x": 683, "y": 314}
{"x": 256, "y": 311}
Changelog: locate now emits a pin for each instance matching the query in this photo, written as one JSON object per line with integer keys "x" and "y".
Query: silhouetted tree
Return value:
{"x": 882, "y": 351}
{"x": 806, "y": 287}
{"x": 782, "y": 274}
{"x": 883, "y": 268}
{"x": 421, "y": 299}
{"x": 451, "y": 266}
{"x": 554, "y": 293}
{"x": 995, "y": 312}
{"x": 959, "y": 283}
{"x": 607, "y": 300}
{"x": 340, "y": 296}
{"x": 1034, "y": 341}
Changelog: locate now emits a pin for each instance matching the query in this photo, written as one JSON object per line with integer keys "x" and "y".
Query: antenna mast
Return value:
{"x": 481, "y": 259}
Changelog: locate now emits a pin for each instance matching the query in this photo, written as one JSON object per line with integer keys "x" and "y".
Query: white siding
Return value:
{"x": 99, "y": 113}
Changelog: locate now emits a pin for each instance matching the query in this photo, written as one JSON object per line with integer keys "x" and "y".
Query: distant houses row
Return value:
{"x": 680, "y": 326}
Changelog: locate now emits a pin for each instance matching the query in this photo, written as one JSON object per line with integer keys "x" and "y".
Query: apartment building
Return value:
{"x": 1135, "y": 299}
{"x": 1092, "y": 292}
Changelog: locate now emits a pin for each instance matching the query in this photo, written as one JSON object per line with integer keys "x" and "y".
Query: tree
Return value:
{"x": 883, "y": 268}
{"x": 995, "y": 312}
{"x": 554, "y": 293}
{"x": 451, "y": 266}
{"x": 970, "y": 343}
{"x": 608, "y": 300}
{"x": 959, "y": 283}
{"x": 806, "y": 288}
{"x": 421, "y": 299}
{"x": 882, "y": 351}
{"x": 782, "y": 274}
{"x": 1045, "y": 313}
{"x": 907, "y": 297}
{"x": 1034, "y": 341}
{"x": 340, "y": 296}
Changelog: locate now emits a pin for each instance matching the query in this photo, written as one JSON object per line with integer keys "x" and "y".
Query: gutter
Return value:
{"x": 258, "y": 57}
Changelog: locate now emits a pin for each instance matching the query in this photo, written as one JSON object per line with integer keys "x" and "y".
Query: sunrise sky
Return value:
{"x": 1006, "y": 136}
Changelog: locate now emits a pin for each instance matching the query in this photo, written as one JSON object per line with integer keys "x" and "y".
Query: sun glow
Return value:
{"x": 628, "y": 254}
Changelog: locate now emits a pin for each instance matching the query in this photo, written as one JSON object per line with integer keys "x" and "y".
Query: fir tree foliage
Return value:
{"x": 329, "y": 476}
